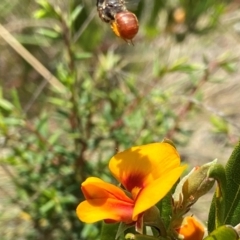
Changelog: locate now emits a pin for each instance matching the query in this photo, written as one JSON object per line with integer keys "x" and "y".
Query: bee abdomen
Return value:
{"x": 127, "y": 24}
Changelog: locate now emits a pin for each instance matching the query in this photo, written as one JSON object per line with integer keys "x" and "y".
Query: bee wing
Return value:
{"x": 132, "y": 4}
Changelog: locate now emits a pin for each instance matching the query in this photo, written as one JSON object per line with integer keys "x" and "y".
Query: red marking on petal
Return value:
{"x": 133, "y": 181}
{"x": 110, "y": 221}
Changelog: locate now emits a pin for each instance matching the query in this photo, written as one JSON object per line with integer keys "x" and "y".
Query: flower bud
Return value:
{"x": 192, "y": 187}
{"x": 190, "y": 229}
{"x": 237, "y": 229}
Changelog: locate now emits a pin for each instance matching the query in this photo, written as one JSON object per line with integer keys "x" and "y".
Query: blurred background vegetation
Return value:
{"x": 72, "y": 94}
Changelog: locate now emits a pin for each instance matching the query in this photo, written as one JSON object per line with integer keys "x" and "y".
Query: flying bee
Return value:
{"x": 123, "y": 22}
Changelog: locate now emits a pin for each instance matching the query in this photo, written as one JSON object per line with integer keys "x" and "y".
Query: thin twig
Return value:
{"x": 84, "y": 26}
{"x": 35, "y": 95}
{"x": 215, "y": 112}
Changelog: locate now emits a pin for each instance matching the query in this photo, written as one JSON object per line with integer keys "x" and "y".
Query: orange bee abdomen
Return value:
{"x": 126, "y": 25}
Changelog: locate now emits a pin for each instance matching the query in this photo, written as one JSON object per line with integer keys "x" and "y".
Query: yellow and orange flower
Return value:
{"x": 146, "y": 172}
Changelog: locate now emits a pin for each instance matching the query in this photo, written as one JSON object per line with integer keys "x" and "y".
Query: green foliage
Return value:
{"x": 109, "y": 231}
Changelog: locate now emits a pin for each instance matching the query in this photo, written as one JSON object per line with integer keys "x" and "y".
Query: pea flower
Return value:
{"x": 190, "y": 229}
{"x": 146, "y": 172}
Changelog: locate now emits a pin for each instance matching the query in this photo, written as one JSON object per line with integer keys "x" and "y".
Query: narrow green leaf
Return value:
{"x": 223, "y": 233}
{"x": 15, "y": 99}
{"x": 32, "y": 39}
{"x": 6, "y": 105}
{"x": 45, "y": 4}
{"x": 220, "y": 125}
{"x": 76, "y": 12}
{"x": 48, "y": 33}
{"x": 41, "y": 13}
{"x": 217, "y": 210}
{"x": 229, "y": 67}
{"x": 165, "y": 208}
{"x": 46, "y": 207}
{"x": 165, "y": 205}
{"x": 54, "y": 137}
{"x": 211, "y": 223}
{"x": 82, "y": 55}
{"x": 109, "y": 231}
{"x": 182, "y": 66}
{"x": 12, "y": 121}
{"x": 233, "y": 188}
{"x": 59, "y": 102}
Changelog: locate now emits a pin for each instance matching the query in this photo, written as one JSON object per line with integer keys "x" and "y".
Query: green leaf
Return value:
{"x": 211, "y": 223}
{"x": 45, "y": 4}
{"x": 181, "y": 65}
{"x": 47, "y": 10}
{"x": 76, "y": 12}
{"x": 48, "y": 33}
{"x": 6, "y": 105}
{"x": 54, "y": 137}
{"x": 223, "y": 233}
{"x": 225, "y": 208}
{"x": 41, "y": 13}
{"x": 165, "y": 205}
{"x": 217, "y": 209}
{"x": 165, "y": 208}
{"x": 219, "y": 124}
{"x": 82, "y": 55}
{"x": 229, "y": 67}
{"x": 59, "y": 102}
{"x": 46, "y": 207}
{"x": 233, "y": 188}
{"x": 16, "y": 100}
{"x": 32, "y": 39}
{"x": 12, "y": 121}
{"x": 109, "y": 231}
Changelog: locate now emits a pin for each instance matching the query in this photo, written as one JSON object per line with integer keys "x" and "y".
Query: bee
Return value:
{"x": 123, "y": 22}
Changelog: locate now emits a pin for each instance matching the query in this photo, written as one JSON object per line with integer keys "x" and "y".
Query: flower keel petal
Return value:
{"x": 105, "y": 209}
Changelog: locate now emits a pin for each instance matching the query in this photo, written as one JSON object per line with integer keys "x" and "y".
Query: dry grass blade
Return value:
{"x": 24, "y": 53}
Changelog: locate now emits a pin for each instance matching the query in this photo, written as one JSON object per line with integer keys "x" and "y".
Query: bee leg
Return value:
{"x": 129, "y": 42}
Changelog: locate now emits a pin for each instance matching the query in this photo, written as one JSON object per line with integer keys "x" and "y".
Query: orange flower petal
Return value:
{"x": 156, "y": 190}
{"x": 138, "y": 166}
{"x": 104, "y": 201}
{"x": 91, "y": 211}
{"x": 191, "y": 229}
